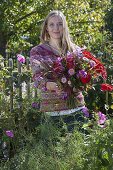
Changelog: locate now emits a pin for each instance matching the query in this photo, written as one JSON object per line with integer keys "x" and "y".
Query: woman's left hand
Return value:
{"x": 52, "y": 86}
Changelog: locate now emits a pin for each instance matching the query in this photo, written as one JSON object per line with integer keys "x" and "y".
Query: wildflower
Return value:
{"x": 9, "y": 133}
{"x": 20, "y": 58}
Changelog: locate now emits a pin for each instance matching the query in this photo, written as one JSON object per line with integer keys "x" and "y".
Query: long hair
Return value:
{"x": 66, "y": 43}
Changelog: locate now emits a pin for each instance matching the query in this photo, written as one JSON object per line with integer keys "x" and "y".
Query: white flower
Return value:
{"x": 69, "y": 82}
{"x": 63, "y": 80}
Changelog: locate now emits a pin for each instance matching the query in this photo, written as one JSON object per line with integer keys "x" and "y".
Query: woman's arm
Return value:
{"x": 40, "y": 68}
{"x": 37, "y": 68}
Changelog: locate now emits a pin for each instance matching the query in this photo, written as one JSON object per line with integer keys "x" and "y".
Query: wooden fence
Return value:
{"x": 16, "y": 84}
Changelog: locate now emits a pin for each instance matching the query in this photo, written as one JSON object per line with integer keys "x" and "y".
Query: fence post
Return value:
{"x": 28, "y": 80}
{"x": 11, "y": 84}
{"x": 20, "y": 87}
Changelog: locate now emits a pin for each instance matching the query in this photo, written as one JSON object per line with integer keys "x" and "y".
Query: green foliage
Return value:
{"x": 48, "y": 150}
{"x": 21, "y": 21}
{"x": 109, "y": 18}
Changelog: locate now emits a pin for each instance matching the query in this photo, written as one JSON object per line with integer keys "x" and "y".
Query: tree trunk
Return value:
{"x": 3, "y": 44}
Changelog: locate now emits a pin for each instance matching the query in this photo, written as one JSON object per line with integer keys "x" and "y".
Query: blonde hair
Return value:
{"x": 66, "y": 43}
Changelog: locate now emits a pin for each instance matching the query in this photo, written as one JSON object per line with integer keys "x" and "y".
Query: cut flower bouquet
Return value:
{"x": 74, "y": 72}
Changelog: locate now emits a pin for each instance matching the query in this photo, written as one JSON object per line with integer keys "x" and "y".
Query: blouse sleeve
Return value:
{"x": 37, "y": 68}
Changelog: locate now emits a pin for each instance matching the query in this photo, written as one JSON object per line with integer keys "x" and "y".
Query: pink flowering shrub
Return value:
{"x": 20, "y": 58}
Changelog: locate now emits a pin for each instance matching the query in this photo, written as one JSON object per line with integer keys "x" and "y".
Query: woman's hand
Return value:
{"x": 52, "y": 86}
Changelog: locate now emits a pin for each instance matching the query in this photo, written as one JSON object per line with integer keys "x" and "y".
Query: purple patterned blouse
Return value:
{"x": 51, "y": 101}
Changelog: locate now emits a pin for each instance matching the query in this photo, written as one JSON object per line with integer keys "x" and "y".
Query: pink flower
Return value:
{"x": 70, "y": 61}
{"x": 20, "y": 58}
{"x": 9, "y": 133}
{"x": 63, "y": 80}
{"x": 71, "y": 71}
{"x": 102, "y": 118}
{"x": 59, "y": 59}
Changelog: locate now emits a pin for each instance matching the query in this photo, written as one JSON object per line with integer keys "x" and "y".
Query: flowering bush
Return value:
{"x": 20, "y": 58}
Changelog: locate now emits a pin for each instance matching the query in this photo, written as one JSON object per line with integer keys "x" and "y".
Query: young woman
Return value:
{"x": 55, "y": 42}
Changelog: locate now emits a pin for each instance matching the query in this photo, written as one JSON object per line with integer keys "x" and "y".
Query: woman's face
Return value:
{"x": 55, "y": 27}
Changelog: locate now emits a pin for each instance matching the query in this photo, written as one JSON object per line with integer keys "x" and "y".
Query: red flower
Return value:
{"x": 85, "y": 79}
{"x": 106, "y": 87}
{"x": 99, "y": 67}
{"x": 57, "y": 67}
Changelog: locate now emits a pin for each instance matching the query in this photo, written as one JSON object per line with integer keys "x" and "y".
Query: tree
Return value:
{"x": 20, "y": 17}
{"x": 20, "y": 21}
{"x": 109, "y": 18}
